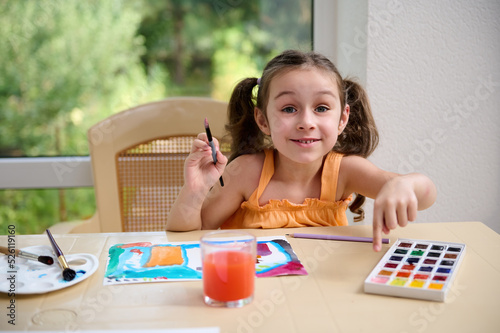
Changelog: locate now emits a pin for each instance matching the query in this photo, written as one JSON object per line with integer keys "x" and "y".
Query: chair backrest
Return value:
{"x": 138, "y": 159}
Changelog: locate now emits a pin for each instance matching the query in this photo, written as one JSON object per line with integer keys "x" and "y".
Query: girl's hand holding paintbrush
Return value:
{"x": 200, "y": 171}
{"x": 201, "y": 174}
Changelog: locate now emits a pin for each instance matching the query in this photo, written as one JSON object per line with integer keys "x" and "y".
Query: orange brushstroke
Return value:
{"x": 165, "y": 256}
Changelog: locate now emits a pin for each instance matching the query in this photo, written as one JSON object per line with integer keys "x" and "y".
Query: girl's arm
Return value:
{"x": 397, "y": 197}
{"x": 241, "y": 178}
{"x": 200, "y": 175}
{"x": 202, "y": 203}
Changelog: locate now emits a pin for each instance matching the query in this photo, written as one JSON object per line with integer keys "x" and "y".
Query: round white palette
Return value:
{"x": 33, "y": 277}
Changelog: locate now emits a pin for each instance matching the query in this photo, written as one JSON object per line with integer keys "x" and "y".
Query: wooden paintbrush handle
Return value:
{"x": 6, "y": 250}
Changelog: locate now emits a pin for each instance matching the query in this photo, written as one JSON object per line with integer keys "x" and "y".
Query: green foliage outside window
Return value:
{"x": 67, "y": 64}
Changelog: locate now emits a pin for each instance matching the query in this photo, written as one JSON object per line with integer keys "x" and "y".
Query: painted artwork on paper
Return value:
{"x": 275, "y": 257}
{"x": 146, "y": 262}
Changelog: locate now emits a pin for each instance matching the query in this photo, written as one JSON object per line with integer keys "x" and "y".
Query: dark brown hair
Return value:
{"x": 360, "y": 136}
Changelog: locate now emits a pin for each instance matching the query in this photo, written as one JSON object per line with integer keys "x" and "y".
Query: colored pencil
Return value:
{"x": 211, "y": 143}
{"x": 338, "y": 238}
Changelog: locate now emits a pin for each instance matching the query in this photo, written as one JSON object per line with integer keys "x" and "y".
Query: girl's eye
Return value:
{"x": 321, "y": 109}
{"x": 289, "y": 109}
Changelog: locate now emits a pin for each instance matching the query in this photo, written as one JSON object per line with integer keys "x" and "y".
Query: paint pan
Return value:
{"x": 419, "y": 269}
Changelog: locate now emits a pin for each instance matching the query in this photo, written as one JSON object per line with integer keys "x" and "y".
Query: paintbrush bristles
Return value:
{"x": 46, "y": 260}
{"x": 68, "y": 273}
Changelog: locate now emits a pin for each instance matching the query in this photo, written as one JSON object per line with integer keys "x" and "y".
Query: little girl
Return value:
{"x": 299, "y": 151}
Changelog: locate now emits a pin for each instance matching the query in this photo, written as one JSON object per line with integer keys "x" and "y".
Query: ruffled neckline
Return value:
{"x": 309, "y": 203}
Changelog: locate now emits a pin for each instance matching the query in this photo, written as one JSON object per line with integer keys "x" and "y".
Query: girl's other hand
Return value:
{"x": 396, "y": 204}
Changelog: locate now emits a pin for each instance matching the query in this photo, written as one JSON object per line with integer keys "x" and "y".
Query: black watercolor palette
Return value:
{"x": 416, "y": 269}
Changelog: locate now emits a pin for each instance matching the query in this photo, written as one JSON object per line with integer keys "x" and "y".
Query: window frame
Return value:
{"x": 76, "y": 171}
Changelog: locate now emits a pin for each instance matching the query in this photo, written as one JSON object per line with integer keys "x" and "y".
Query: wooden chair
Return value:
{"x": 138, "y": 160}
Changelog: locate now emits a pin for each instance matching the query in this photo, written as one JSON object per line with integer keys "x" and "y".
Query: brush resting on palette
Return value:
{"x": 68, "y": 274}
{"x": 27, "y": 255}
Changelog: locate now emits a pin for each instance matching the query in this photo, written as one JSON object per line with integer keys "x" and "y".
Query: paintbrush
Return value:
{"x": 27, "y": 255}
{"x": 211, "y": 144}
{"x": 68, "y": 273}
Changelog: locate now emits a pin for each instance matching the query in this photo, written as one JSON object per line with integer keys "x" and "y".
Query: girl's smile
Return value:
{"x": 305, "y": 142}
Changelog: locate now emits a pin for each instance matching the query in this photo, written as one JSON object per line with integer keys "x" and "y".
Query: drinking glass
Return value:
{"x": 228, "y": 260}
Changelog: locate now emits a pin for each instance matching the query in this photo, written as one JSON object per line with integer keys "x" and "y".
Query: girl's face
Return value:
{"x": 304, "y": 116}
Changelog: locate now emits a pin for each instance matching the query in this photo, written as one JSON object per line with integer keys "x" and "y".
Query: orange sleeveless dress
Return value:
{"x": 314, "y": 212}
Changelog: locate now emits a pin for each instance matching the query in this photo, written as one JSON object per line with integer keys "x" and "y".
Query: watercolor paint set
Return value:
{"x": 416, "y": 269}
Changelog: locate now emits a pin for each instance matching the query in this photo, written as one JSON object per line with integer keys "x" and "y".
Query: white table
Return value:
{"x": 329, "y": 299}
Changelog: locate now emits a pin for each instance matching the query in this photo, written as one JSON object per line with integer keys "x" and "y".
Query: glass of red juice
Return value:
{"x": 228, "y": 259}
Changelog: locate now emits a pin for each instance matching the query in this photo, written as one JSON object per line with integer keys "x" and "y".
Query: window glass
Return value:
{"x": 68, "y": 64}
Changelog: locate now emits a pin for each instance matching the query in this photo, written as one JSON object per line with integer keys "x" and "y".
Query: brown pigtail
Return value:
{"x": 360, "y": 137}
{"x": 246, "y": 137}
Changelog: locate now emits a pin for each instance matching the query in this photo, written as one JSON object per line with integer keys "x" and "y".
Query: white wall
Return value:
{"x": 433, "y": 76}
